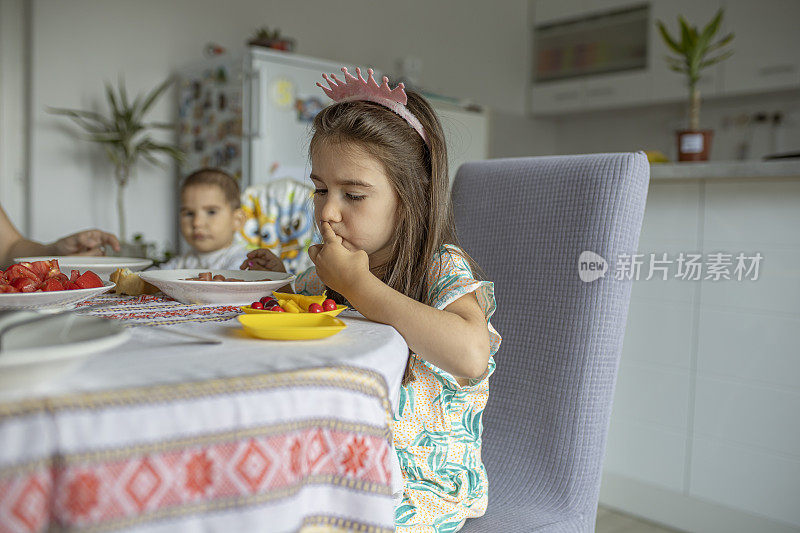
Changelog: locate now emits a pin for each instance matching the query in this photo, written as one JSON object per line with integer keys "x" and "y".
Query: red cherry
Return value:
{"x": 328, "y": 305}
{"x": 315, "y": 308}
{"x": 278, "y": 309}
{"x": 266, "y": 300}
{"x": 257, "y": 305}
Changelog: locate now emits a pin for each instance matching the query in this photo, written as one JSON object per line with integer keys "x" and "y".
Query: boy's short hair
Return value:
{"x": 216, "y": 177}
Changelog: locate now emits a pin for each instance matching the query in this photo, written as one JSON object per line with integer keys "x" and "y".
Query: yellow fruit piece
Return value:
{"x": 655, "y": 156}
{"x": 302, "y": 301}
{"x": 292, "y": 307}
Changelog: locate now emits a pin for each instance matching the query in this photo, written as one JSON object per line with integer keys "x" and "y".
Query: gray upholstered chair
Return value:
{"x": 526, "y": 222}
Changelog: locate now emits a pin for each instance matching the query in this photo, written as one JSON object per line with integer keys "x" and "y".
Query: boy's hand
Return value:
{"x": 337, "y": 267}
{"x": 262, "y": 259}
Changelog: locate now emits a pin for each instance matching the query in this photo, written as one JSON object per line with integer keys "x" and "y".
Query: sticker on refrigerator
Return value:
{"x": 221, "y": 75}
{"x": 307, "y": 109}
{"x": 281, "y": 91}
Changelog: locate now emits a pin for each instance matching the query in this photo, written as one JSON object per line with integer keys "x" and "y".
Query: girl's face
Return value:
{"x": 354, "y": 195}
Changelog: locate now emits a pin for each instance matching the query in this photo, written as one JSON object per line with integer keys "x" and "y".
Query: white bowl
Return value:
{"x": 102, "y": 266}
{"x": 173, "y": 283}
{"x": 40, "y": 300}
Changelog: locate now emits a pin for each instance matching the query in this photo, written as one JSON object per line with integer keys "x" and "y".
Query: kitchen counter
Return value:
{"x": 701, "y": 437}
{"x": 789, "y": 168}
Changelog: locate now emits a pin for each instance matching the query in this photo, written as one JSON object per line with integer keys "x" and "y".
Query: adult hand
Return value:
{"x": 262, "y": 259}
{"x": 337, "y": 267}
{"x": 88, "y": 242}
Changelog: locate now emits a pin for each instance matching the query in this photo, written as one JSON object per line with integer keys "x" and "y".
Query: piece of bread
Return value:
{"x": 130, "y": 283}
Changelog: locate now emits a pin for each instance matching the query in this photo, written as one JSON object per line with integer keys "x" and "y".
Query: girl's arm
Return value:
{"x": 455, "y": 339}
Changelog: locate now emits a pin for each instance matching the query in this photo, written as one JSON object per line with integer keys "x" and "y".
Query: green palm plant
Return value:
{"x": 693, "y": 49}
{"x": 125, "y": 135}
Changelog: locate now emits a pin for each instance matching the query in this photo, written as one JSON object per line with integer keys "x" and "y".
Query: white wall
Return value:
{"x": 13, "y": 131}
{"x": 469, "y": 49}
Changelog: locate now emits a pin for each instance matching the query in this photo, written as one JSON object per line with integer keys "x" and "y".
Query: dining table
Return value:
{"x": 189, "y": 424}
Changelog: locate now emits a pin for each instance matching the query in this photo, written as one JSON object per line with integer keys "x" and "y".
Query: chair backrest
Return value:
{"x": 280, "y": 216}
{"x": 526, "y": 222}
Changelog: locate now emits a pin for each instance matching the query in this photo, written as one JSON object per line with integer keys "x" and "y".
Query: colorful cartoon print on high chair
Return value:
{"x": 280, "y": 216}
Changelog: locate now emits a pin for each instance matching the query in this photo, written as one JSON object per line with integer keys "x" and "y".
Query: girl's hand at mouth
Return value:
{"x": 337, "y": 267}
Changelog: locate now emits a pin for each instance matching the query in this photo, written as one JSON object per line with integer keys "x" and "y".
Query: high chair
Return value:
{"x": 527, "y": 222}
{"x": 280, "y": 216}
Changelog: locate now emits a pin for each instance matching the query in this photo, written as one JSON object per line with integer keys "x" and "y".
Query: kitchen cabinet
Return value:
{"x": 704, "y": 433}
{"x": 591, "y": 62}
{"x": 548, "y": 11}
{"x": 617, "y": 89}
{"x": 597, "y": 93}
{"x": 557, "y": 96}
{"x": 551, "y": 11}
{"x": 765, "y": 52}
{"x": 765, "y": 46}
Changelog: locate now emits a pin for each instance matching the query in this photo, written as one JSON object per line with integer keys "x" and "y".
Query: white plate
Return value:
{"x": 39, "y": 300}
{"x": 40, "y": 351}
{"x": 102, "y": 266}
{"x": 173, "y": 283}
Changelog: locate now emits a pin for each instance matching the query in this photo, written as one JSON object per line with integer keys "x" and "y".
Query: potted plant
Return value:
{"x": 693, "y": 49}
{"x": 271, "y": 39}
{"x": 125, "y": 136}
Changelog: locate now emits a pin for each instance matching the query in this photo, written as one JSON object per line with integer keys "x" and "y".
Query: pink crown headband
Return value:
{"x": 353, "y": 88}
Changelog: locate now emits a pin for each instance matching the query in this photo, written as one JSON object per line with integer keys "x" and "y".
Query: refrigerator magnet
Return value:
{"x": 307, "y": 109}
{"x": 281, "y": 92}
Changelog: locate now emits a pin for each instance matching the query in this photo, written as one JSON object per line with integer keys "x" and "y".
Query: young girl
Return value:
{"x": 382, "y": 205}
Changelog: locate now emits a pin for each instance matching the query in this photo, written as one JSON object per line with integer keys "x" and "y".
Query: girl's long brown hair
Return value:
{"x": 419, "y": 176}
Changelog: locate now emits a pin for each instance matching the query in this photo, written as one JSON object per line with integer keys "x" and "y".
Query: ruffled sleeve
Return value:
{"x": 449, "y": 278}
{"x": 308, "y": 283}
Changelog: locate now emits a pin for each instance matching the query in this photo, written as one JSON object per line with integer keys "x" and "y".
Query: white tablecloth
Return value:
{"x": 163, "y": 434}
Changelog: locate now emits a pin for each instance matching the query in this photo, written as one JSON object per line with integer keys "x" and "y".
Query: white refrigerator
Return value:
{"x": 250, "y": 115}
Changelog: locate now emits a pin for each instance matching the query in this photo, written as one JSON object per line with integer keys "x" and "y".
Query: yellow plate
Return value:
{"x": 250, "y": 311}
{"x": 291, "y": 326}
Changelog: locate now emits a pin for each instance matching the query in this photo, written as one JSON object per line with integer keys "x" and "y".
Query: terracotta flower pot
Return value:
{"x": 694, "y": 145}
{"x": 285, "y": 44}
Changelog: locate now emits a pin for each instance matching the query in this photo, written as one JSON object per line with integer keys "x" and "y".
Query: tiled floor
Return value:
{"x": 610, "y": 521}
